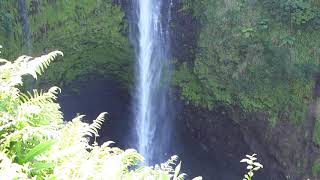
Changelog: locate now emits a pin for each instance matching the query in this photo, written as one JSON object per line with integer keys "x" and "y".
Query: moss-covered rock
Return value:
{"x": 255, "y": 66}
{"x": 249, "y": 57}
{"x": 91, "y": 33}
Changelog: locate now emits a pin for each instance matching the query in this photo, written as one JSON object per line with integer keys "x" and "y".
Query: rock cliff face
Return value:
{"x": 94, "y": 38}
{"x": 287, "y": 148}
{"x": 230, "y": 134}
{"x": 286, "y": 151}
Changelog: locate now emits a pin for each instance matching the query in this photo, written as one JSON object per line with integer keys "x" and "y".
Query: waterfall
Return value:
{"x": 26, "y": 32}
{"x": 153, "y": 72}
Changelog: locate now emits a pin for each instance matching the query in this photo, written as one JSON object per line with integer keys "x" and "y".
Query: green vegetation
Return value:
{"x": 257, "y": 55}
{"x": 316, "y": 168}
{"x": 316, "y": 136}
{"x": 9, "y": 30}
{"x": 92, "y": 32}
{"x": 35, "y": 142}
{"x": 316, "y": 132}
{"x": 252, "y": 167}
{"x": 296, "y": 12}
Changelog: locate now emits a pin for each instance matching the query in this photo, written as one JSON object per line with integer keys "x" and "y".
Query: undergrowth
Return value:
{"x": 36, "y": 143}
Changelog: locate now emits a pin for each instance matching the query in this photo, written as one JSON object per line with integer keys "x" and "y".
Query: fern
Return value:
{"x": 34, "y": 66}
{"x": 10, "y": 170}
{"x": 42, "y": 104}
{"x": 96, "y": 125}
{"x": 35, "y": 142}
{"x": 11, "y": 73}
{"x": 37, "y": 150}
{"x": 252, "y": 167}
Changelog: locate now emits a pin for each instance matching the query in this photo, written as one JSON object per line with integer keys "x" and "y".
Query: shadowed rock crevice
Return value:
{"x": 95, "y": 96}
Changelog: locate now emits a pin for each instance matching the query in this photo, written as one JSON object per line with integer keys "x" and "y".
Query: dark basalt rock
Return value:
{"x": 286, "y": 150}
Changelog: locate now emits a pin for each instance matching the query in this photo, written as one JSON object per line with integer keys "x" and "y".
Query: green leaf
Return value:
{"x": 164, "y": 176}
{"x": 41, "y": 166}
{"x": 177, "y": 171}
{"x": 18, "y": 150}
{"x": 197, "y": 178}
{"x": 37, "y": 150}
{"x": 247, "y": 177}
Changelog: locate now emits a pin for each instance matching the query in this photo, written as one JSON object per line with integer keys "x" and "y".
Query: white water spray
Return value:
{"x": 153, "y": 73}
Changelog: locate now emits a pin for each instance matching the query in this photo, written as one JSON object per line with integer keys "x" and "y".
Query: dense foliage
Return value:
{"x": 258, "y": 55}
{"x": 92, "y": 32}
{"x": 35, "y": 142}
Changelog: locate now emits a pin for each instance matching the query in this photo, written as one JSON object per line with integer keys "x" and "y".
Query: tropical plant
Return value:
{"x": 252, "y": 167}
{"x": 35, "y": 142}
{"x": 248, "y": 32}
{"x": 256, "y": 57}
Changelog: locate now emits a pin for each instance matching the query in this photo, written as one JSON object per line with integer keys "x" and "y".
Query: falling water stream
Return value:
{"x": 26, "y": 32}
{"x": 152, "y": 108}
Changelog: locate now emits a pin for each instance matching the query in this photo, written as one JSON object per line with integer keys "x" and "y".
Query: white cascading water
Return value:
{"x": 152, "y": 115}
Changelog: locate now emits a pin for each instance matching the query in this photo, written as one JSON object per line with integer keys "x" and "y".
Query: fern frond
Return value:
{"x": 28, "y": 132}
{"x": 10, "y": 170}
{"x": 22, "y": 59}
{"x": 39, "y": 64}
{"x": 96, "y": 125}
{"x": 39, "y": 98}
{"x": 37, "y": 150}
{"x": 42, "y": 104}
{"x": 11, "y": 73}
{"x": 167, "y": 166}
{"x": 177, "y": 175}
{"x": 4, "y": 61}
{"x": 54, "y": 90}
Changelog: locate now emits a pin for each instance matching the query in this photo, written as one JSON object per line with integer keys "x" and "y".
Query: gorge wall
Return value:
{"x": 92, "y": 35}
{"x": 245, "y": 71}
{"x": 245, "y": 63}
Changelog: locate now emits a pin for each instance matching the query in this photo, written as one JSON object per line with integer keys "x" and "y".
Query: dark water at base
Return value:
{"x": 95, "y": 97}
{"x": 98, "y": 96}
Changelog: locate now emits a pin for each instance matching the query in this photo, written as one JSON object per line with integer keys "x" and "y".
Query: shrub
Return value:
{"x": 37, "y": 144}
